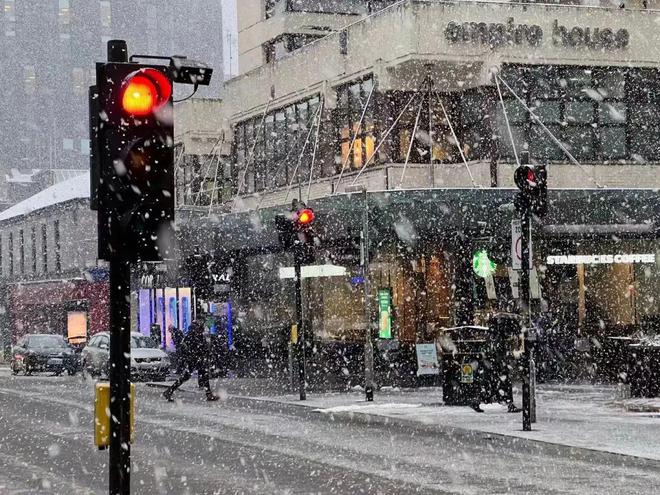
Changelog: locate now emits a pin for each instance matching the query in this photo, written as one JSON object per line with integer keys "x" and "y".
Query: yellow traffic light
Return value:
{"x": 102, "y": 415}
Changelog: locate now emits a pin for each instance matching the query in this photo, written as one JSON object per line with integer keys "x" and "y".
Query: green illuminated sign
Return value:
{"x": 482, "y": 264}
{"x": 384, "y": 314}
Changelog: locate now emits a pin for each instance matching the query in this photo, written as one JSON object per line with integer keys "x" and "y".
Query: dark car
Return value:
{"x": 43, "y": 352}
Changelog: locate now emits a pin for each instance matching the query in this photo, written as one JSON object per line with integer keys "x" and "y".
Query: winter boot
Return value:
{"x": 168, "y": 395}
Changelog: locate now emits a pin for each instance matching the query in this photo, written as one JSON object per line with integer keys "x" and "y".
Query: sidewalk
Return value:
{"x": 581, "y": 416}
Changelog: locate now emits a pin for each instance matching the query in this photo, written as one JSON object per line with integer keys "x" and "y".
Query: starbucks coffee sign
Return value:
{"x": 496, "y": 34}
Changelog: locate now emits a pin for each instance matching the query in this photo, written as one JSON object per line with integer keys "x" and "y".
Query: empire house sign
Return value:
{"x": 497, "y": 34}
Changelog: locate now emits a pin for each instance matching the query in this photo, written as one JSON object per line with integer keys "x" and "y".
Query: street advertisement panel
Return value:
{"x": 427, "y": 359}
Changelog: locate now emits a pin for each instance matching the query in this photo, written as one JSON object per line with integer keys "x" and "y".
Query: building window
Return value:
{"x": 10, "y": 18}
{"x": 11, "y": 254}
{"x": 29, "y": 79}
{"x": 56, "y": 240}
{"x": 44, "y": 248}
{"x": 2, "y": 268}
{"x": 79, "y": 81}
{"x": 21, "y": 251}
{"x": 280, "y": 155}
{"x": 33, "y": 247}
{"x": 351, "y": 100}
{"x": 106, "y": 14}
{"x": 64, "y": 13}
{"x": 585, "y": 108}
{"x": 353, "y": 7}
{"x": 285, "y": 44}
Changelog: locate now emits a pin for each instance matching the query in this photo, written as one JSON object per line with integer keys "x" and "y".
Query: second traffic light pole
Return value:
{"x": 297, "y": 263}
{"x": 523, "y": 287}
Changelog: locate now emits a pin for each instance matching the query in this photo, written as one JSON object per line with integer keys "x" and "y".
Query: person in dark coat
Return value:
{"x": 195, "y": 353}
{"x": 177, "y": 340}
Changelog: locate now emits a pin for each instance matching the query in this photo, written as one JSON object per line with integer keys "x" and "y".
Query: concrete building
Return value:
{"x": 48, "y": 271}
{"x": 428, "y": 106}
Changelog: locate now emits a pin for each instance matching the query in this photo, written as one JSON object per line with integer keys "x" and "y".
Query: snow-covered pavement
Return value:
{"x": 583, "y": 416}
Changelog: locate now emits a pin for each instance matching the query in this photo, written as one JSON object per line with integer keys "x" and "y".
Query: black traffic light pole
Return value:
{"x": 120, "y": 348}
{"x": 523, "y": 288}
{"x": 302, "y": 354}
{"x": 120, "y": 386}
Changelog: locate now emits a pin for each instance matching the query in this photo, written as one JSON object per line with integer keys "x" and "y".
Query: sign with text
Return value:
{"x": 599, "y": 259}
{"x": 385, "y": 313}
{"x": 516, "y": 244}
{"x": 427, "y": 359}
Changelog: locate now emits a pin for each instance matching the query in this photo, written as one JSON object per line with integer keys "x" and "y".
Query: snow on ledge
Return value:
{"x": 74, "y": 188}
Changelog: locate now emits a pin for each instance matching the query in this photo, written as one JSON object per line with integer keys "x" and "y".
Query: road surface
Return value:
{"x": 240, "y": 446}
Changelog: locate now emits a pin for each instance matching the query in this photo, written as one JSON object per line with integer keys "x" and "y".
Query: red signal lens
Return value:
{"x": 530, "y": 175}
{"x": 145, "y": 91}
{"x": 305, "y": 216}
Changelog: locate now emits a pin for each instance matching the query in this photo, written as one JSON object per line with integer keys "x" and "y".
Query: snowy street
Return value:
{"x": 241, "y": 445}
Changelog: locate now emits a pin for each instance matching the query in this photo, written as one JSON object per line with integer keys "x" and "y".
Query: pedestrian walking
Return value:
{"x": 177, "y": 340}
{"x": 195, "y": 354}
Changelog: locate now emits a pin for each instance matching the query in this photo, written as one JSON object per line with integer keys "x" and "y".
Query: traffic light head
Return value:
{"x": 525, "y": 178}
{"x": 304, "y": 217}
{"x": 136, "y": 161}
{"x": 533, "y": 184}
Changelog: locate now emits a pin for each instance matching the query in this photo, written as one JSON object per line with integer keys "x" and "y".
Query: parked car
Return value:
{"x": 43, "y": 352}
{"x": 147, "y": 360}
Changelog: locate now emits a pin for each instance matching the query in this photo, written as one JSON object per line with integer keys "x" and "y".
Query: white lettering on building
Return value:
{"x": 599, "y": 259}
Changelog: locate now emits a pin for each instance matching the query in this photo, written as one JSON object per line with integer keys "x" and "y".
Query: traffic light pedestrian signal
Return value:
{"x": 532, "y": 181}
{"x": 135, "y": 160}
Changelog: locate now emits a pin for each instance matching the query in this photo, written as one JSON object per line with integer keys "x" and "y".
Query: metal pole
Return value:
{"x": 120, "y": 348}
{"x": 120, "y": 376}
{"x": 524, "y": 310}
{"x": 369, "y": 382}
{"x": 299, "y": 322}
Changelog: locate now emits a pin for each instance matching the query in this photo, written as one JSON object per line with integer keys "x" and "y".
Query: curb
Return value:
{"x": 529, "y": 445}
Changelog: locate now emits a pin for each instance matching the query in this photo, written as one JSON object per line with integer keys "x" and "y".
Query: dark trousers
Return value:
{"x": 186, "y": 373}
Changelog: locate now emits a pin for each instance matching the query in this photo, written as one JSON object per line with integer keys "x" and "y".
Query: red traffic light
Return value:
{"x": 525, "y": 178}
{"x": 305, "y": 217}
{"x": 145, "y": 92}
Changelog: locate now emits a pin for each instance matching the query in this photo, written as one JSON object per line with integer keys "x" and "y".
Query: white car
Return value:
{"x": 148, "y": 362}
